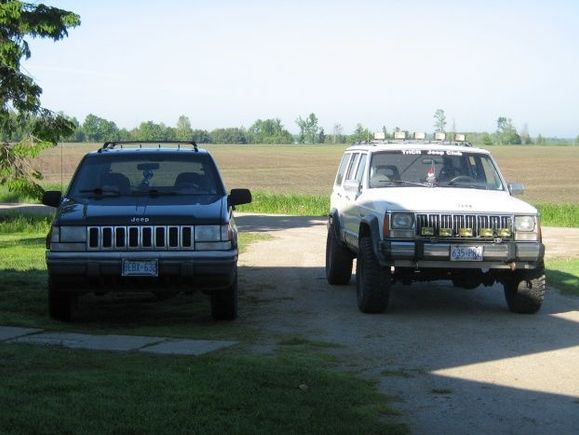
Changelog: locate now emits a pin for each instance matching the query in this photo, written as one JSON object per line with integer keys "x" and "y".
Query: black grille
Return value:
{"x": 144, "y": 237}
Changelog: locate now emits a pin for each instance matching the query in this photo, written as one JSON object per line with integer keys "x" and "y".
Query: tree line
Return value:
{"x": 272, "y": 131}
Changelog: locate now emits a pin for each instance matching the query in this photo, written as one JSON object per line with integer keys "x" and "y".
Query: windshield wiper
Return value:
{"x": 410, "y": 183}
{"x": 98, "y": 192}
{"x": 156, "y": 192}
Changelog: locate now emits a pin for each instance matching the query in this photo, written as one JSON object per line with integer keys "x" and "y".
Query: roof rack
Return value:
{"x": 413, "y": 141}
{"x": 122, "y": 143}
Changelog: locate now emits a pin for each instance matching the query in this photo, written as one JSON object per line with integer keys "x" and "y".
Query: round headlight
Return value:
{"x": 402, "y": 220}
{"x": 525, "y": 223}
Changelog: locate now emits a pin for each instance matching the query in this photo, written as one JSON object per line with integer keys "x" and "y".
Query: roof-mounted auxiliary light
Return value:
{"x": 379, "y": 135}
{"x": 459, "y": 137}
{"x": 419, "y": 135}
{"x": 400, "y": 135}
{"x": 439, "y": 135}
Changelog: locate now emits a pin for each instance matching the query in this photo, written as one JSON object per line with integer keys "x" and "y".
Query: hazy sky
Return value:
{"x": 393, "y": 63}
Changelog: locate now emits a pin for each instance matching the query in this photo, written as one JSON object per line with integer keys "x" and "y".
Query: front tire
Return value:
{"x": 339, "y": 260}
{"x": 525, "y": 290}
{"x": 61, "y": 303}
{"x": 372, "y": 281}
{"x": 224, "y": 302}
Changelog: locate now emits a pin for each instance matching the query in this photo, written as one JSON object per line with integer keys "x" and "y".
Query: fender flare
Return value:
{"x": 369, "y": 227}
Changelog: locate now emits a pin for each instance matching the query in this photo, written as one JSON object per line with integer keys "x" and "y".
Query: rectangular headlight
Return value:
{"x": 525, "y": 224}
{"x": 402, "y": 221}
{"x": 73, "y": 234}
{"x": 211, "y": 233}
{"x": 207, "y": 233}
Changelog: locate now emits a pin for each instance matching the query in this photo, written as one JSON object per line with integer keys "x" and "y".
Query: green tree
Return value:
{"x": 309, "y": 129}
{"x": 201, "y": 136}
{"x": 150, "y": 130}
{"x": 20, "y": 106}
{"x": 269, "y": 131}
{"x": 98, "y": 129}
{"x": 577, "y": 140}
{"x": 506, "y": 132}
{"x": 440, "y": 121}
{"x": 183, "y": 130}
{"x": 486, "y": 139}
{"x": 361, "y": 134}
{"x": 229, "y": 135}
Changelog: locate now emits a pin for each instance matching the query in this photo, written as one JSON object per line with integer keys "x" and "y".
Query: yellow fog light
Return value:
{"x": 486, "y": 232}
{"x": 445, "y": 232}
{"x": 427, "y": 231}
{"x": 465, "y": 232}
{"x": 504, "y": 232}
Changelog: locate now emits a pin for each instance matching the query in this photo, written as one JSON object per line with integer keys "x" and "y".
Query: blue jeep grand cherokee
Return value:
{"x": 144, "y": 215}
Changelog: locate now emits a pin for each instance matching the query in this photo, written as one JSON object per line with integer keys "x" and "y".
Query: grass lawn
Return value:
{"x": 564, "y": 275}
{"x": 57, "y": 390}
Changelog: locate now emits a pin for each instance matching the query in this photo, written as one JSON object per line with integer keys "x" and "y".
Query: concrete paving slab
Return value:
{"x": 11, "y": 332}
{"x": 92, "y": 342}
{"x": 187, "y": 347}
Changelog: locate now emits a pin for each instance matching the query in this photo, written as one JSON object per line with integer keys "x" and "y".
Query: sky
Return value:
{"x": 380, "y": 63}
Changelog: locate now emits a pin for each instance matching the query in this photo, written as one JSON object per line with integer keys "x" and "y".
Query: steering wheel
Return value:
{"x": 462, "y": 179}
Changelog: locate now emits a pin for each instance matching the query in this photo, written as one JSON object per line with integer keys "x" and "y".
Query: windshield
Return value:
{"x": 441, "y": 168}
{"x": 153, "y": 174}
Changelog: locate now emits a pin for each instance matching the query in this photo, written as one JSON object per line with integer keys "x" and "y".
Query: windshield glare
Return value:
{"x": 146, "y": 174}
{"x": 434, "y": 168}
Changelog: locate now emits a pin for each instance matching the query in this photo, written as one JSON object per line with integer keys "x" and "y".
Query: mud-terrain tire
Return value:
{"x": 339, "y": 260}
{"x": 525, "y": 290}
{"x": 372, "y": 281}
{"x": 62, "y": 304}
{"x": 224, "y": 302}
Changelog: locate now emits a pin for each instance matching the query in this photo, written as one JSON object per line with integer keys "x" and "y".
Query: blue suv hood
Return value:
{"x": 139, "y": 210}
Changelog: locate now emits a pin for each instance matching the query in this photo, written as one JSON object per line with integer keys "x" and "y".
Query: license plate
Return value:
{"x": 466, "y": 253}
{"x": 140, "y": 268}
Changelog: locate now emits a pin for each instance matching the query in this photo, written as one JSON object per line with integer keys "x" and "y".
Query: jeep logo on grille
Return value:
{"x": 139, "y": 220}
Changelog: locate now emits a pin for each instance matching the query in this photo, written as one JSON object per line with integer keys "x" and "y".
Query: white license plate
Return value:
{"x": 466, "y": 253}
{"x": 140, "y": 268}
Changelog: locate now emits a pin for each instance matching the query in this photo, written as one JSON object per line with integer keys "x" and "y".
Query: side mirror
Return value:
{"x": 239, "y": 196}
{"x": 516, "y": 189}
{"x": 52, "y": 198}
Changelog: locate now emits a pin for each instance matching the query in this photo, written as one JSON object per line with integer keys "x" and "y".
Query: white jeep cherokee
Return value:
{"x": 431, "y": 210}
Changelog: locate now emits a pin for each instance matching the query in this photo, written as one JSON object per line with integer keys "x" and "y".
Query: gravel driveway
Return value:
{"x": 457, "y": 360}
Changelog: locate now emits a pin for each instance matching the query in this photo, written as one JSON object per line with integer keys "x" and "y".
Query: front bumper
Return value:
{"x": 428, "y": 254}
{"x": 206, "y": 270}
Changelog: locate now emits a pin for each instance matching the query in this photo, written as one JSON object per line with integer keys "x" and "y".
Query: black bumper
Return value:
{"x": 203, "y": 270}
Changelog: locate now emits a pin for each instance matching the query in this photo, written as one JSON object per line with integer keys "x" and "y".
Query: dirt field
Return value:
{"x": 457, "y": 360}
{"x": 547, "y": 172}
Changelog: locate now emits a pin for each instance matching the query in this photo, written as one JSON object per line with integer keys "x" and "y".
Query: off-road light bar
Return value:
{"x": 439, "y": 135}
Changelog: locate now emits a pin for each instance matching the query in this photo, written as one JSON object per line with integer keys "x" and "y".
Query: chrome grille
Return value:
{"x": 457, "y": 221}
{"x": 165, "y": 237}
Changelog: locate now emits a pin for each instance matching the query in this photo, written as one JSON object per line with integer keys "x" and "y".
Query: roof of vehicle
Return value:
{"x": 394, "y": 145}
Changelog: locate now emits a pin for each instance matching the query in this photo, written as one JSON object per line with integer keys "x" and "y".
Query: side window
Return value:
{"x": 352, "y": 167}
{"x": 361, "y": 168}
{"x": 342, "y": 169}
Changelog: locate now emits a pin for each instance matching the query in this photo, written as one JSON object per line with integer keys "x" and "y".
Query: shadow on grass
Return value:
{"x": 565, "y": 282}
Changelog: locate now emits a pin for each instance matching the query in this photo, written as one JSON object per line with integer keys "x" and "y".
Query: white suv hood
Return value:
{"x": 445, "y": 199}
